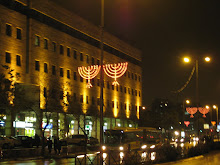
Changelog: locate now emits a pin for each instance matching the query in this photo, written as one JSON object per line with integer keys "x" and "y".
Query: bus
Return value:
{"x": 131, "y": 138}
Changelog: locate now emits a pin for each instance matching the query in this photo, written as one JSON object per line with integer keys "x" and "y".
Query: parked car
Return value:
{"x": 15, "y": 141}
{"x": 93, "y": 141}
{"x": 26, "y": 141}
{"x": 6, "y": 143}
{"x": 76, "y": 139}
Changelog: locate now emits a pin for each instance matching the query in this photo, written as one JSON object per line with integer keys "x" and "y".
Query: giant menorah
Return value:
{"x": 112, "y": 70}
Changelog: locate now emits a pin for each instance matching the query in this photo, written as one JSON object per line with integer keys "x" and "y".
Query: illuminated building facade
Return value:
{"x": 45, "y": 44}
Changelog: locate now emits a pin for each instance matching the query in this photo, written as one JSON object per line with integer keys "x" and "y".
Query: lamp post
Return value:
{"x": 187, "y": 60}
{"x": 216, "y": 107}
{"x": 102, "y": 82}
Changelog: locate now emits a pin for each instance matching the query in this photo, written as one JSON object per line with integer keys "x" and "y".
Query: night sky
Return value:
{"x": 165, "y": 30}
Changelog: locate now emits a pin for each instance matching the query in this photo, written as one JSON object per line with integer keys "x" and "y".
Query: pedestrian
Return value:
{"x": 37, "y": 140}
{"x": 49, "y": 145}
{"x": 55, "y": 145}
{"x": 59, "y": 145}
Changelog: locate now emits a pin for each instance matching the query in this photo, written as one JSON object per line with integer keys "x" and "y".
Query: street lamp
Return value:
{"x": 187, "y": 60}
{"x": 216, "y": 107}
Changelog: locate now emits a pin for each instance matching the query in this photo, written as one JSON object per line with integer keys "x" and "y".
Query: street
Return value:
{"x": 212, "y": 158}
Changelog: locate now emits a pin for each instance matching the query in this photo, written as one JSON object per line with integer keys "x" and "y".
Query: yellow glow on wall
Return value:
{"x": 138, "y": 110}
{"x": 115, "y": 99}
{"x": 85, "y": 93}
{"x": 127, "y": 110}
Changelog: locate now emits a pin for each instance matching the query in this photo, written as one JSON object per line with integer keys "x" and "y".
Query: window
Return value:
{"x": 8, "y": 57}
{"x": 135, "y": 77}
{"x": 8, "y": 30}
{"x": 132, "y": 91}
{"x": 74, "y": 97}
{"x": 129, "y": 91}
{"x": 45, "y": 92}
{"x": 61, "y": 49}
{"x": 68, "y": 73}
{"x": 93, "y": 61}
{"x": 117, "y": 87}
{"x": 68, "y": 52}
{"x": 81, "y": 79}
{"x": 93, "y": 82}
{"x": 108, "y": 86}
{"x": 113, "y": 104}
{"x": 113, "y": 87}
{"x": 45, "y": 43}
{"x": 18, "y": 60}
{"x": 81, "y": 57}
{"x": 61, "y": 95}
{"x": 132, "y": 76}
{"x": 81, "y": 98}
{"x": 61, "y": 72}
{"x": 54, "y": 46}
{"x": 139, "y": 93}
{"x": 74, "y": 76}
{"x": 75, "y": 54}
{"x": 87, "y": 59}
{"x": 37, "y": 65}
{"x": 45, "y": 68}
{"x": 125, "y": 106}
{"x": 98, "y": 62}
{"x": 93, "y": 100}
{"x": 125, "y": 89}
{"x": 87, "y": 99}
{"x": 53, "y": 70}
{"x": 135, "y": 92}
{"x": 98, "y": 82}
{"x": 121, "y": 89}
{"x": 18, "y": 33}
{"x": 128, "y": 74}
{"x": 37, "y": 41}
{"x": 108, "y": 104}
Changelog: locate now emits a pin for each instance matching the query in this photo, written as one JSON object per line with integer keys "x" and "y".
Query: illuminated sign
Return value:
{"x": 22, "y": 124}
{"x": 49, "y": 126}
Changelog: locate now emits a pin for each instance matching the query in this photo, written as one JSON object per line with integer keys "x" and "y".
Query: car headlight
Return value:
{"x": 153, "y": 146}
{"x": 144, "y": 147}
{"x": 103, "y": 148}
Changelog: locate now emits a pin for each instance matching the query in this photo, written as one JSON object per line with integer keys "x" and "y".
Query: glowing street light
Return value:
{"x": 186, "y": 59}
{"x": 187, "y": 101}
{"x": 207, "y": 59}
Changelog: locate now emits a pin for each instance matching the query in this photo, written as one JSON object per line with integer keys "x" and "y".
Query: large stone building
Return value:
{"x": 43, "y": 45}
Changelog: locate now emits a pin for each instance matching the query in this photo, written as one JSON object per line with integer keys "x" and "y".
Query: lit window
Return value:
{"x": 37, "y": 41}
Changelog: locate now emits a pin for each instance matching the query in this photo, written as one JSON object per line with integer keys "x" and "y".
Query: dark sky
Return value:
{"x": 165, "y": 30}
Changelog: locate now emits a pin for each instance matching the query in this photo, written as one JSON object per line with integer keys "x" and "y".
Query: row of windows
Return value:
{"x": 68, "y": 73}
{"x": 93, "y": 100}
{"x": 8, "y": 58}
{"x": 8, "y": 31}
{"x": 81, "y": 56}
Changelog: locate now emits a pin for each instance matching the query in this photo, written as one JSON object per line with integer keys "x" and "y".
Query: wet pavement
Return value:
{"x": 212, "y": 158}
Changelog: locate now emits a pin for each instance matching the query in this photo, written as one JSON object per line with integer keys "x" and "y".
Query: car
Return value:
{"x": 26, "y": 141}
{"x": 93, "y": 141}
{"x": 77, "y": 139}
{"x": 6, "y": 143}
{"x": 15, "y": 141}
